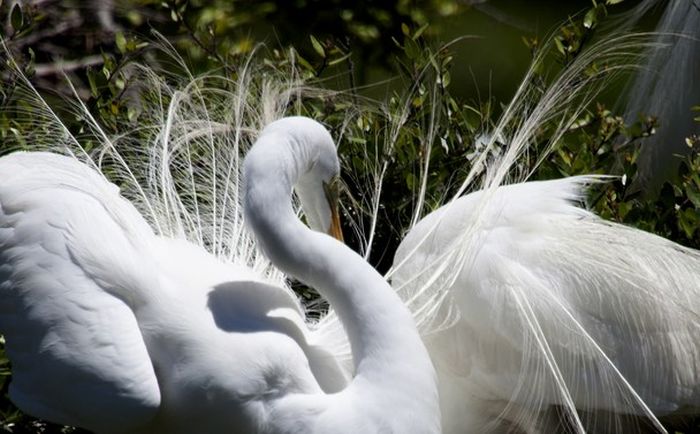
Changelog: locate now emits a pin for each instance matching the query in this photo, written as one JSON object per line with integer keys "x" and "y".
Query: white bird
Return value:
{"x": 116, "y": 330}
{"x": 566, "y": 322}
{"x": 539, "y": 316}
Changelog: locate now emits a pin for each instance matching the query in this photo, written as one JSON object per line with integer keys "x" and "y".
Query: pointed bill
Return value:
{"x": 336, "y": 231}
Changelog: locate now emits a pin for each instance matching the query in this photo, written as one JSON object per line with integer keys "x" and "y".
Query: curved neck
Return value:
{"x": 388, "y": 353}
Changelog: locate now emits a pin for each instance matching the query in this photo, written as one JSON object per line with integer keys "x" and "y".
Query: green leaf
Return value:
{"x": 303, "y": 62}
{"x": 688, "y": 221}
{"x": 357, "y": 140}
{"x": 566, "y": 158}
{"x": 405, "y": 30}
{"x": 411, "y": 181}
{"x": 624, "y": 208}
{"x": 317, "y": 46}
{"x": 591, "y": 19}
{"x": 412, "y": 49}
{"x": 613, "y": 2}
{"x": 560, "y": 45}
{"x": 93, "y": 82}
{"x": 120, "y": 40}
{"x": 132, "y": 114}
{"x": 694, "y": 197}
{"x": 446, "y": 79}
{"x": 29, "y": 68}
{"x": 16, "y": 17}
{"x": 339, "y": 59}
{"x": 420, "y": 31}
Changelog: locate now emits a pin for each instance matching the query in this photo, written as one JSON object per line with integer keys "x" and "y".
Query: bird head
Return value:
{"x": 318, "y": 188}
{"x": 316, "y": 174}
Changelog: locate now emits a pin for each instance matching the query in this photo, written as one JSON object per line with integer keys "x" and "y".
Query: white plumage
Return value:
{"x": 76, "y": 350}
{"x": 150, "y": 334}
{"x": 556, "y": 308}
{"x": 113, "y": 328}
{"x": 105, "y": 327}
{"x": 159, "y": 314}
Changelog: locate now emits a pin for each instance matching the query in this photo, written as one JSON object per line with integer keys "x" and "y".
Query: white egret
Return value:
{"x": 114, "y": 329}
{"x": 566, "y": 322}
{"x": 538, "y": 315}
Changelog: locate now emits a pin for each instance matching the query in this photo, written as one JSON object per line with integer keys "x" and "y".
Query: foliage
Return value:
{"x": 420, "y": 133}
{"x": 222, "y": 28}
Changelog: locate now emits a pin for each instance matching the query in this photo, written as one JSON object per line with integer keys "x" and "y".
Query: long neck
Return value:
{"x": 388, "y": 353}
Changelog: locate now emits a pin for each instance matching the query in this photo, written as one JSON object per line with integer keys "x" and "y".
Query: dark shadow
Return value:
{"x": 250, "y": 307}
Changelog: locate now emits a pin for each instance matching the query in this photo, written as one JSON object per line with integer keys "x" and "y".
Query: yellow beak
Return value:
{"x": 330, "y": 189}
{"x": 336, "y": 231}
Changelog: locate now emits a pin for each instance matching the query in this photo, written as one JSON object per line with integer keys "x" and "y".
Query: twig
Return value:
{"x": 44, "y": 69}
{"x": 201, "y": 44}
{"x": 351, "y": 70}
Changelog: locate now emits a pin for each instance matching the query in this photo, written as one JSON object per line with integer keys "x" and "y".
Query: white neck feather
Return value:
{"x": 390, "y": 359}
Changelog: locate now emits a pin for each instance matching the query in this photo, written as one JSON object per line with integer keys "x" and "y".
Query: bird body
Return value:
{"x": 556, "y": 308}
{"x": 151, "y": 334}
{"x": 54, "y": 313}
{"x": 108, "y": 326}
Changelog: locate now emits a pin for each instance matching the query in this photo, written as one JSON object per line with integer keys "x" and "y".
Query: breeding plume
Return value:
{"x": 666, "y": 87}
{"x": 563, "y": 322}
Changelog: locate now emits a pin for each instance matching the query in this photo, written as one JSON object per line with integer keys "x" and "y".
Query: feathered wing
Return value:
{"x": 239, "y": 300}
{"x": 564, "y": 321}
{"x": 78, "y": 355}
{"x": 180, "y": 167}
{"x": 513, "y": 287}
{"x": 428, "y": 291}
{"x": 94, "y": 305}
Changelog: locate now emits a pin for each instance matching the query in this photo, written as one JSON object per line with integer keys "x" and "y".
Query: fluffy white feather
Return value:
{"x": 557, "y": 310}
